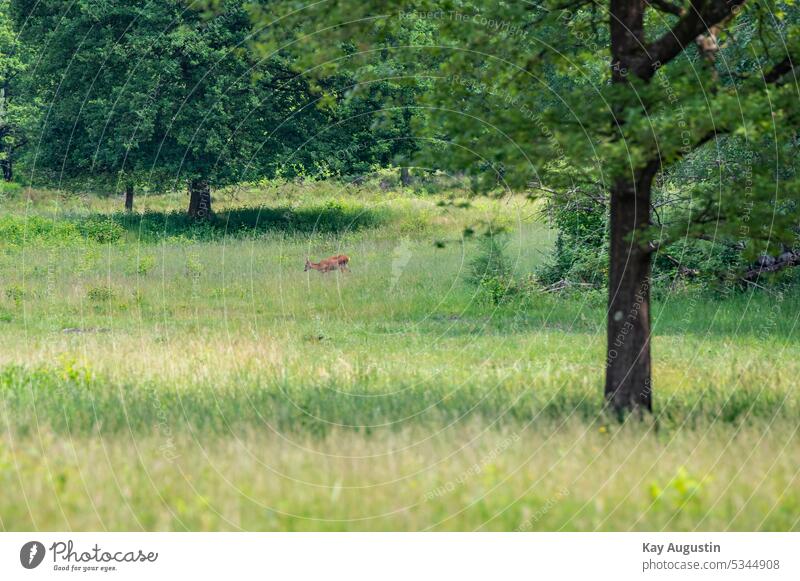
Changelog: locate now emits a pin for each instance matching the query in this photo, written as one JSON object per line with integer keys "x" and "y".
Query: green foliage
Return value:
{"x": 102, "y": 230}
{"x": 491, "y": 261}
{"x": 160, "y": 93}
{"x": 175, "y": 94}
{"x": 524, "y": 93}
{"x": 490, "y": 272}
{"x": 580, "y": 255}
{"x": 682, "y": 492}
{"x": 329, "y": 217}
{"x": 194, "y": 267}
{"x": 100, "y": 294}
{"x": 144, "y": 264}
{"x": 10, "y": 189}
{"x": 19, "y": 231}
{"x": 15, "y": 293}
{"x": 16, "y": 106}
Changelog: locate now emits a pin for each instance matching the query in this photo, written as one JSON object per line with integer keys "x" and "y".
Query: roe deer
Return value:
{"x": 339, "y": 261}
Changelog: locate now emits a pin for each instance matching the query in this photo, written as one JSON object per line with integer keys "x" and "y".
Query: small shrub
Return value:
{"x": 682, "y": 492}
{"x": 144, "y": 265}
{"x": 496, "y": 290}
{"x": 26, "y": 230}
{"x": 194, "y": 268}
{"x": 10, "y": 189}
{"x": 415, "y": 225}
{"x": 491, "y": 261}
{"x": 100, "y": 294}
{"x": 104, "y": 231}
{"x": 15, "y": 293}
{"x": 490, "y": 270}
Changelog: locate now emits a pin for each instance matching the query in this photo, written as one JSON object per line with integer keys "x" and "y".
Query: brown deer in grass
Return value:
{"x": 338, "y": 262}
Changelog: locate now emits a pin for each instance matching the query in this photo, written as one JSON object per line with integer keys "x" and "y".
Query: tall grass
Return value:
{"x": 160, "y": 374}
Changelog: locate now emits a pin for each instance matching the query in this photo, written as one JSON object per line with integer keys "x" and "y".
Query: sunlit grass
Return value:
{"x": 202, "y": 380}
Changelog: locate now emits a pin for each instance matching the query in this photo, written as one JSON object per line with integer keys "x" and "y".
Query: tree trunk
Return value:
{"x": 8, "y": 173}
{"x": 129, "y": 197}
{"x": 199, "y": 199}
{"x": 5, "y": 163}
{"x": 405, "y": 177}
{"x": 628, "y": 383}
{"x": 628, "y": 386}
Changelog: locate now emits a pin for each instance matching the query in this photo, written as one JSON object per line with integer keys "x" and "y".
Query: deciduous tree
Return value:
{"x": 598, "y": 99}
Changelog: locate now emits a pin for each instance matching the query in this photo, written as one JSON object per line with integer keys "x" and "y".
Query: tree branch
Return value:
{"x": 701, "y": 16}
{"x": 779, "y": 70}
{"x": 666, "y": 6}
{"x": 785, "y": 260}
{"x": 683, "y": 270}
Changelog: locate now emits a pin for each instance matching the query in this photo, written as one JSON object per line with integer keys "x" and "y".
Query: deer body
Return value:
{"x": 338, "y": 262}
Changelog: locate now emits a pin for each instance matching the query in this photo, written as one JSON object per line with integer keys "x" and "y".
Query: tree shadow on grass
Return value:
{"x": 246, "y": 222}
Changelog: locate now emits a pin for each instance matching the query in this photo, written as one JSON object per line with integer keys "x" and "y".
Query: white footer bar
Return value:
{"x": 401, "y": 556}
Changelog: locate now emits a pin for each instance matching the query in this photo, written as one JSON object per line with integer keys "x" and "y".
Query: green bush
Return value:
{"x": 145, "y": 265}
{"x": 581, "y": 250}
{"x": 100, "y": 294}
{"x": 490, "y": 271}
{"x": 102, "y": 230}
{"x": 32, "y": 229}
{"x": 10, "y": 189}
{"x": 496, "y": 290}
{"x": 491, "y": 261}
{"x": 15, "y": 294}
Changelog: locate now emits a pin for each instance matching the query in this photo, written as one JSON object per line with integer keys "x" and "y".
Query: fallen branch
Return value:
{"x": 682, "y": 269}
{"x": 767, "y": 265}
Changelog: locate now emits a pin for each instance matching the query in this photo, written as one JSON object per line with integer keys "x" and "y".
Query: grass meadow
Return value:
{"x": 161, "y": 375}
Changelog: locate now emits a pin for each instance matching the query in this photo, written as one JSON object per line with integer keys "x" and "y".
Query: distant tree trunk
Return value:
{"x": 199, "y": 199}
{"x": 405, "y": 177}
{"x": 628, "y": 382}
{"x": 6, "y": 162}
{"x": 129, "y": 197}
{"x": 8, "y": 173}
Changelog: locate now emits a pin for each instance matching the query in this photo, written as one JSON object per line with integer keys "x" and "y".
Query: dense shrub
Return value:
{"x": 102, "y": 230}
{"x": 100, "y": 294}
{"x": 9, "y": 189}
{"x": 22, "y": 230}
{"x": 580, "y": 255}
{"x": 581, "y": 249}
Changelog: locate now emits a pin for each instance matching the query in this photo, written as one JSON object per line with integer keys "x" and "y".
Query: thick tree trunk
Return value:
{"x": 405, "y": 177}
{"x": 628, "y": 383}
{"x": 129, "y": 197}
{"x": 199, "y": 199}
{"x": 628, "y": 386}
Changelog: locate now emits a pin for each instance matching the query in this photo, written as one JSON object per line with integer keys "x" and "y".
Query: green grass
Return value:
{"x": 157, "y": 374}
